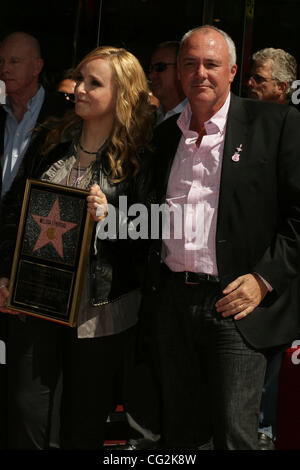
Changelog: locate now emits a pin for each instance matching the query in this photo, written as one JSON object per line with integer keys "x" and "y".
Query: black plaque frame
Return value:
{"x": 51, "y": 253}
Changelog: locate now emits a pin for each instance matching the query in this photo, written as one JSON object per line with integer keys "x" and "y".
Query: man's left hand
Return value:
{"x": 242, "y": 296}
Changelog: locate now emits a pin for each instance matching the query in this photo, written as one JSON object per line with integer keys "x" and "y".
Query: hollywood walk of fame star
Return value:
{"x": 52, "y": 229}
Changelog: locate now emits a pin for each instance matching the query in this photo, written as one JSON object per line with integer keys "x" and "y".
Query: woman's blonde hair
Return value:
{"x": 133, "y": 124}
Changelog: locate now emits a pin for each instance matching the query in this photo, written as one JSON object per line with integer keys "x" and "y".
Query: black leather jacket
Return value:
{"x": 118, "y": 264}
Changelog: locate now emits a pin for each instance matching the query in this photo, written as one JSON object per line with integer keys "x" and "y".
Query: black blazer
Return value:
{"x": 54, "y": 104}
{"x": 258, "y": 226}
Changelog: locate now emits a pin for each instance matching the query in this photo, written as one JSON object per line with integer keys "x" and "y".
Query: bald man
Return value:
{"x": 27, "y": 103}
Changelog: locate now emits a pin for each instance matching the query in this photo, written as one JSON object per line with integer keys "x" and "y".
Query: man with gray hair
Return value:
{"x": 215, "y": 294}
{"x": 272, "y": 75}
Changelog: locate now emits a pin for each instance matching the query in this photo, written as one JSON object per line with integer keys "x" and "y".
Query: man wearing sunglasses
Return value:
{"x": 66, "y": 85}
{"x": 272, "y": 74}
{"x": 166, "y": 87}
{"x": 165, "y": 84}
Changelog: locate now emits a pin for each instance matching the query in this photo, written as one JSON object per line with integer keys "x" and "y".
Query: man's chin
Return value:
{"x": 155, "y": 90}
{"x": 202, "y": 94}
{"x": 253, "y": 95}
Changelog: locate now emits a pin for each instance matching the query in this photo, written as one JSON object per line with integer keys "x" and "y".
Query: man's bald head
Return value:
{"x": 20, "y": 64}
{"x": 23, "y": 40}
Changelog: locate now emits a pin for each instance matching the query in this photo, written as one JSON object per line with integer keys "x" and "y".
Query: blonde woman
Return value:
{"x": 101, "y": 146}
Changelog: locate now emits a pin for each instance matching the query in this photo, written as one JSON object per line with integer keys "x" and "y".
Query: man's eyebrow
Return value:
{"x": 188, "y": 58}
{"x": 213, "y": 59}
{"x": 206, "y": 59}
{"x": 15, "y": 57}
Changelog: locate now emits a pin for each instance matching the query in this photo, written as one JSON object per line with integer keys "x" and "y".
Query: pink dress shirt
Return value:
{"x": 193, "y": 194}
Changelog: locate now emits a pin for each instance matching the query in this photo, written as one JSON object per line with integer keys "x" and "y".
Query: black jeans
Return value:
{"x": 211, "y": 378}
{"x": 39, "y": 353}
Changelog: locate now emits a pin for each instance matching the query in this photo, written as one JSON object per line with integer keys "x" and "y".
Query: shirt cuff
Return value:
{"x": 269, "y": 287}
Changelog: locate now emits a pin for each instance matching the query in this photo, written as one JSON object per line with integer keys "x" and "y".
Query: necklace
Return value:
{"x": 86, "y": 151}
{"x": 75, "y": 177}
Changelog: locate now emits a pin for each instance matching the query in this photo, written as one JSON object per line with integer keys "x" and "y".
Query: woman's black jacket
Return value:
{"x": 118, "y": 265}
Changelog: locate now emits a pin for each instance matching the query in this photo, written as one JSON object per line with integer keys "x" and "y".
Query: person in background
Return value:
{"x": 165, "y": 85}
{"x": 26, "y": 105}
{"x": 272, "y": 75}
{"x": 101, "y": 146}
{"x": 167, "y": 90}
{"x": 66, "y": 85}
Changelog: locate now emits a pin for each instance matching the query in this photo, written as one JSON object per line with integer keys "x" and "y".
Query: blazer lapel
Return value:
{"x": 234, "y": 157}
{"x": 168, "y": 147}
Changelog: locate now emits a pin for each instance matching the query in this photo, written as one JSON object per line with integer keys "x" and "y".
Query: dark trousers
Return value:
{"x": 211, "y": 379}
{"x": 39, "y": 353}
{"x": 269, "y": 400}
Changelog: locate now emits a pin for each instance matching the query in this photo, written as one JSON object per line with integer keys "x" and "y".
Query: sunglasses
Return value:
{"x": 260, "y": 79}
{"x": 160, "y": 66}
{"x": 68, "y": 96}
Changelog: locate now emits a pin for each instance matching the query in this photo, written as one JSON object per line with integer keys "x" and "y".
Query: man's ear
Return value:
{"x": 233, "y": 71}
{"x": 282, "y": 87}
{"x": 39, "y": 64}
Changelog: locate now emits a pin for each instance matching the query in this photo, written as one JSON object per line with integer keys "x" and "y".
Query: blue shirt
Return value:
{"x": 17, "y": 137}
{"x": 161, "y": 116}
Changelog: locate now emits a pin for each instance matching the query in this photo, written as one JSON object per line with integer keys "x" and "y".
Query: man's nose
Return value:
{"x": 152, "y": 75}
{"x": 3, "y": 66}
{"x": 201, "y": 71}
{"x": 250, "y": 82}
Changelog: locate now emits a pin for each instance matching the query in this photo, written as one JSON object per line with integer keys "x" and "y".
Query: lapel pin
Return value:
{"x": 236, "y": 156}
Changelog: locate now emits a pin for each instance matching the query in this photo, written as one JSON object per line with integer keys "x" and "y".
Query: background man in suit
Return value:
{"x": 231, "y": 168}
{"x": 273, "y": 72}
{"x": 27, "y": 104}
{"x": 165, "y": 85}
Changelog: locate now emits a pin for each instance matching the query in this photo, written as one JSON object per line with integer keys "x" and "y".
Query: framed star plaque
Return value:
{"x": 51, "y": 252}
